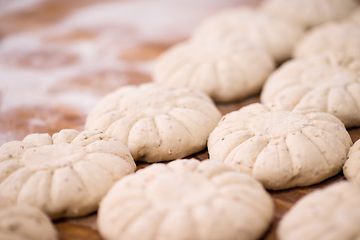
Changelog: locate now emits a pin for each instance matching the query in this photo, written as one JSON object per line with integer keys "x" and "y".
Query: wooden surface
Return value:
{"x": 46, "y": 110}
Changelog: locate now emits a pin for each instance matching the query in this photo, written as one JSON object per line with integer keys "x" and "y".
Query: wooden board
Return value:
{"x": 45, "y": 115}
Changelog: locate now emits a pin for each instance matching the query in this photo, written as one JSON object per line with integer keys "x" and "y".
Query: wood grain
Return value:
{"x": 17, "y": 120}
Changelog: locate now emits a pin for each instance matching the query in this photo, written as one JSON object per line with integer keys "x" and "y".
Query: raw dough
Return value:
{"x": 351, "y": 167}
{"x": 309, "y": 13}
{"x": 277, "y": 36}
{"x": 333, "y": 36}
{"x": 65, "y": 175}
{"x": 228, "y": 70}
{"x": 329, "y": 214}
{"x": 22, "y": 222}
{"x": 186, "y": 199}
{"x": 323, "y": 83}
{"x": 281, "y": 149}
{"x": 157, "y": 123}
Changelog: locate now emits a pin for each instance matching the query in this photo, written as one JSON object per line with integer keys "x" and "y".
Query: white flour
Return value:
{"x": 33, "y": 63}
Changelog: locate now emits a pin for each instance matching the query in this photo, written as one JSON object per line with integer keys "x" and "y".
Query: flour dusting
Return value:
{"x": 56, "y": 65}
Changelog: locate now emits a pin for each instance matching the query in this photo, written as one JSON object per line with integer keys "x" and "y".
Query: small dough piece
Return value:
{"x": 65, "y": 175}
{"x": 277, "y": 36}
{"x": 324, "y": 83}
{"x": 227, "y": 70}
{"x": 186, "y": 199}
{"x": 333, "y": 36}
{"x": 157, "y": 123}
{"x": 281, "y": 149}
{"x": 22, "y": 222}
{"x": 308, "y": 13}
{"x": 328, "y": 214}
{"x": 351, "y": 167}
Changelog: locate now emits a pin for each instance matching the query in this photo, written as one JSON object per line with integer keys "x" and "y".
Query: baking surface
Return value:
{"x": 59, "y": 57}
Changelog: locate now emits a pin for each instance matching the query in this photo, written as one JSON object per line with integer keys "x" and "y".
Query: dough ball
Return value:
{"x": 323, "y": 83}
{"x": 186, "y": 199}
{"x": 281, "y": 149}
{"x": 351, "y": 167}
{"x": 309, "y": 13}
{"x": 277, "y": 36}
{"x": 228, "y": 70}
{"x": 327, "y": 214}
{"x": 333, "y": 36}
{"x": 65, "y": 175}
{"x": 22, "y": 222}
{"x": 157, "y": 123}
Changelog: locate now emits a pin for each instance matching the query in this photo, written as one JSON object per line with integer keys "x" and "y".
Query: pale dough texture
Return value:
{"x": 277, "y": 36}
{"x": 329, "y": 214}
{"x": 228, "y": 70}
{"x": 22, "y": 222}
{"x": 186, "y": 199}
{"x": 309, "y": 13}
{"x": 341, "y": 36}
{"x": 351, "y": 167}
{"x": 324, "y": 83}
{"x": 65, "y": 175}
{"x": 281, "y": 149}
{"x": 157, "y": 123}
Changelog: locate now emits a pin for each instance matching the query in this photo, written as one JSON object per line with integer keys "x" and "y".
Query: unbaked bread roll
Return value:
{"x": 328, "y": 214}
{"x": 65, "y": 175}
{"x": 157, "y": 123}
{"x": 333, "y": 36}
{"x": 186, "y": 199}
{"x": 22, "y": 222}
{"x": 322, "y": 83}
{"x": 281, "y": 149}
{"x": 351, "y": 167}
{"x": 227, "y": 70}
{"x": 309, "y": 13}
{"x": 277, "y": 36}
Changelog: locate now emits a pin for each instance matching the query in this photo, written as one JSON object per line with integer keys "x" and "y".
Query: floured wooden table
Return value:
{"x": 59, "y": 57}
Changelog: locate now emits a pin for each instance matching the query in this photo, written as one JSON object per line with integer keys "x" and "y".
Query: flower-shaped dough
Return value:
{"x": 22, "y": 222}
{"x": 157, "y": 123}
{"x": 282, "y": 149}
{"x": 333, "y": 36}
{"x": 186, "y": 199}
{"x": 317, "y": 83}
{"x": 228, "y": 70}
{"x": 277, "y": 36}
{"x": 351, "y": 167}
{"x": 309, "y": 13}
{"x": 65, "y": 175}
{"x": 329, "y": 214}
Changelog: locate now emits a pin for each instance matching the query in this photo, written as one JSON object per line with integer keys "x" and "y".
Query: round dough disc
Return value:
{"x": 186, "y": 199}
{"x": 277, "y": 36}
{"x": 333, "y": 36}
{"x": 327, "y": 83}
{"x": 328, "y": 214}
{"x": 224, "y": 70}
{"x": 309, "y": 13}
{"x": 351, "y": 167}
{"x": 157, "y": 123}
{"x": 281, "y": 149}
{"x": 22, "y": 222}
{"x": 65, "y": 175}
